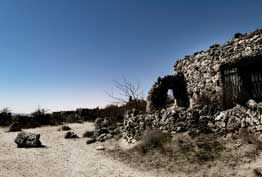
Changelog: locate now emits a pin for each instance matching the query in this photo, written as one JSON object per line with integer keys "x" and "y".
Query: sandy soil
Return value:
{"x": 73, "y": 158}
{"x": 61, "y": 158}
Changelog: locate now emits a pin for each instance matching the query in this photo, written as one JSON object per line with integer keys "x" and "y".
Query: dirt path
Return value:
{"x": 61, "y": 158}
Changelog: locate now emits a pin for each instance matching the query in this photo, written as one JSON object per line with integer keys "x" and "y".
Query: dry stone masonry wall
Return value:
{"x": 195, "y": 121}
{"x": 202, "y": 69}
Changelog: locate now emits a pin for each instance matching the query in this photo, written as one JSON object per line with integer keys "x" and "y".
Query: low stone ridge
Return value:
{"x": 195, "y": 121}
{"x": 71, "y": 135}
{"x": 28, "y": 140}
{"x": 15, "y": 127}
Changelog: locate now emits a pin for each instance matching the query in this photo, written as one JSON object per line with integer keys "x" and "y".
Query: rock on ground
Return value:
{"x": 100, "y": 148}
{"x": 28, "y": 140}
{"x": 64, "y": 128}
{"x": 90, "y": 140}
{"x": 71, "y": 135}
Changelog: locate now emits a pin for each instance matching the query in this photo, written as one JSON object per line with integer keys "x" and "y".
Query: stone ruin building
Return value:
{"x": 225, "y": 77}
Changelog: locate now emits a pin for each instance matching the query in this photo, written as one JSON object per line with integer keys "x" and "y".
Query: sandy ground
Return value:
{"x": 73, "y": 158}
{"x": 61, "y": 158}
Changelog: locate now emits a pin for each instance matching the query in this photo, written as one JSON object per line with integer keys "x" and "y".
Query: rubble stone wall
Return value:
{"x": 194, "y": 121}
{"x": 202, "y": 69}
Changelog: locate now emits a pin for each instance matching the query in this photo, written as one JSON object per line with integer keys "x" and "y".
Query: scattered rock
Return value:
{"x": 28, "y": 140}
{"x": 71, "y": 135}
{"x": 100, "y": 148}
{"x": 109, "y": 136}
{"x": 101, "y": 137}
{"x": 15, "y": 127}
{"x": 90, "y": 140}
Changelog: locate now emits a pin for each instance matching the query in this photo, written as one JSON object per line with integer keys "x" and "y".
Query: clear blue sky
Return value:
{"x": 64, "y": 54}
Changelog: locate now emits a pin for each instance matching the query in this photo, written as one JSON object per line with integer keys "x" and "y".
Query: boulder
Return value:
{"x": 15, "y": 127}
{"x": 71, "y": 135}
{"x": 28, "y": 140}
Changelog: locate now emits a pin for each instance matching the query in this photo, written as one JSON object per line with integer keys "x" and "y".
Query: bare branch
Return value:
{"x": 126, "y": 90}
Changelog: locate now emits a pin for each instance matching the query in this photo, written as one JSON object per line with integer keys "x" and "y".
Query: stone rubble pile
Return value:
{"x": 105, "y": 129}
{"x": 241, "y": 117}
{"x": 194, "y": 120}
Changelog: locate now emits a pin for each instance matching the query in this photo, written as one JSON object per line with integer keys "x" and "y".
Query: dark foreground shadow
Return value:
{"x": 38, "y": 147}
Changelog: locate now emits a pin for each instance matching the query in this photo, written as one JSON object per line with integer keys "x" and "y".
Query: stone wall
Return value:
{"x": 202, "y": 75}
{"x": 202, "y": 69}
{"x": 194, "y": 121}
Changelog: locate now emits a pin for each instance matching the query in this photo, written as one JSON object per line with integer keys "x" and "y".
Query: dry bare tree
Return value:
{"x": 126, "y": 91}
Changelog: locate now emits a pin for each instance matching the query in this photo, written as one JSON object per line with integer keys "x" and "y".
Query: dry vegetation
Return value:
{"x": 205, "y": 155}
{"x": 88, "y": 134}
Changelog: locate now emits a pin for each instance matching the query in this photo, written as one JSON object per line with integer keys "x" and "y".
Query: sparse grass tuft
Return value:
{"x": 250, "y": 138}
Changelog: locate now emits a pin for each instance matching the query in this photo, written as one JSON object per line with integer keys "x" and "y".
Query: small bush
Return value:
{"x": 88, "y": 134}
{"x": 5, "y": 117}
{"x": 64, "y": 128}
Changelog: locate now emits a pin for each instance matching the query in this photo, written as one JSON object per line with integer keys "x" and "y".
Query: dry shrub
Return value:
{"x": 202, "y": 148}
{"x": 64, "y": 128}
{"x": 88, "y": 134}
{"x": 208, "y": 148}
{"x": 250, "y": 138}
{"x": 188, "y": 155}
{"x": 153, "y": 139}
{"x": 181, "y": 146}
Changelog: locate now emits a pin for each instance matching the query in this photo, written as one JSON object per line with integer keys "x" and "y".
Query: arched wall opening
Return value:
{"x": 158, "y": 97}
